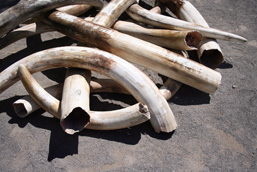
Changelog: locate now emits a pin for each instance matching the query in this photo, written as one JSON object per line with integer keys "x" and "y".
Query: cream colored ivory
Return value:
{"x": 23, "y": 10}
{"x": 110, "y": 120}
{"x": 209, "y": 52}
{"x": 75, "y": 100}
{"x": 38, "y": 27}
{"x": 75, "y": 10}
{"x": 138, "y": 51}
{"x": 132, "y": 79}
{"x": 111, "y": 12}
{"x": 180, "y": 40}
{"x": 26, "y": 105}
{"x": 142, "y": 15}
{"x": 75, "y": 107}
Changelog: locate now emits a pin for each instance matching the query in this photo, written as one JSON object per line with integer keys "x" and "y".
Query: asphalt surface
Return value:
{"x": 216, "y": 132}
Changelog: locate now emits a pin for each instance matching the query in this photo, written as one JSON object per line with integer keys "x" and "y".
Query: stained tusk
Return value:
{"x": 209, "y": 52}
{"x": 138, "y": 51}
{"x": 17, "y": 14}
{"x": 38, "y": 27}
{"x": 132, "y": 79}
{"x": 142, "y": 15}
{"x": 180, "y": 40}
{"x": 75, "y": 100}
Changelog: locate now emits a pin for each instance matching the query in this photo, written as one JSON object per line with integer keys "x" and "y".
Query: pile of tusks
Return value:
{"x": 147, "y": 39}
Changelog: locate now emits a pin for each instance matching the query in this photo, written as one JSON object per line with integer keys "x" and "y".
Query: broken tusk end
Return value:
{"x": 20, "y": 109}
{"x": 76, "y": 121}
{"x": 144, "y": 110}
{"x": 193, "y": 39}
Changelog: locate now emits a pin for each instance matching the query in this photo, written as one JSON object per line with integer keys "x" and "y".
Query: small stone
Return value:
{"x": 234, "y": 86}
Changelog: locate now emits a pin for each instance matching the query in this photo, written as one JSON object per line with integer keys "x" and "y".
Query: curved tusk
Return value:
{"x": 180, "y": 40}
{"x": 38, "y": 27}
{"x": 138, "y": 51}
{"x": 26, "y": 105}
{"x": 209, "y": 52}
{"x": 75, "y": 100}
{"x": 141, "y": 87}
{"x": 75, "y": 10}
{"x": 111, "y": 12}
{"x": 140, "y": 14}
{"x": 17, "y": 14}
{"x": 110, "y": 120}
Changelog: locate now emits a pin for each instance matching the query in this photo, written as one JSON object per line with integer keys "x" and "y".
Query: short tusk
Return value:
{"x": 138, "y": 51}
{"x": 75, "y": 100}
{"x": 17, "y": 14}
{"x": 135, "y": 81}
{"x": 209, "y": 52}
{"x": 140, "y": 14}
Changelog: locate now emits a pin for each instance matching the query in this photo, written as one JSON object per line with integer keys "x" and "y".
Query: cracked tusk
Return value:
{"x": 17, "y": 14}
{"x": 138, "y": 51}
{"x": 131, "y": 78}
{"x": 142, "y": 15}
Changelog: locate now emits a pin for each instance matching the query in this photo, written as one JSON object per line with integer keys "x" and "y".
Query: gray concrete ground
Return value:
{"x": 216, "y": 132}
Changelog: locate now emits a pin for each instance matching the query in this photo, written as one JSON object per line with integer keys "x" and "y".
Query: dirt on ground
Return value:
{"x": 216, "y": 132}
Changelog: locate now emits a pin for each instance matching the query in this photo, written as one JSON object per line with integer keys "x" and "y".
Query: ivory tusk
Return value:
{"x": 17, "y": 14}
{"x": 26, "y": 105}
{"x": 209, "y": 52}
{"x": 75, "y": 10}
{"x": 180, "y": 40}
{"x": 138, "y": 51}
{"x": 75, "y": 100}
{"x": 38, "y": 27}
{"x": 75, "y": 106}
{"x": 132, "y": 79}
{"x": 142, "y": 15}
{"x": 111, "y": 12}
{"x": 117, "y": 119}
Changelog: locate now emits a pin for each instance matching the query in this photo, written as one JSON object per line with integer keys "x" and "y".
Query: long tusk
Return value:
{"x": 75, "y": 107}
{"x": 180, "y": 40}
{"x": 110, "y": 120}
{"x": 138, "y": 51}
{"x": 38, "y": 27}
{"x": 132, "y": 79}
{"x": 17, "y": 14}
{"x": 26, "y": 105}
{"x": 140, "y": 14}
{"x": 209, "y": 52}
{"x": 75, "y": 100}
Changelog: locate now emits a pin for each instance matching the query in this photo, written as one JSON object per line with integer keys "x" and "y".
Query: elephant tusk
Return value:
{"x": 26, "y": 9}
{"x": 75, "y": 100}
{"x": 138, "y": 51}
{"x": 142, "y": 15}
{"x": 209, "y": 52}
{"x": 26, "y": 105}
{"x": 131, "y": 78}
{"x": 179, "y": 40}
